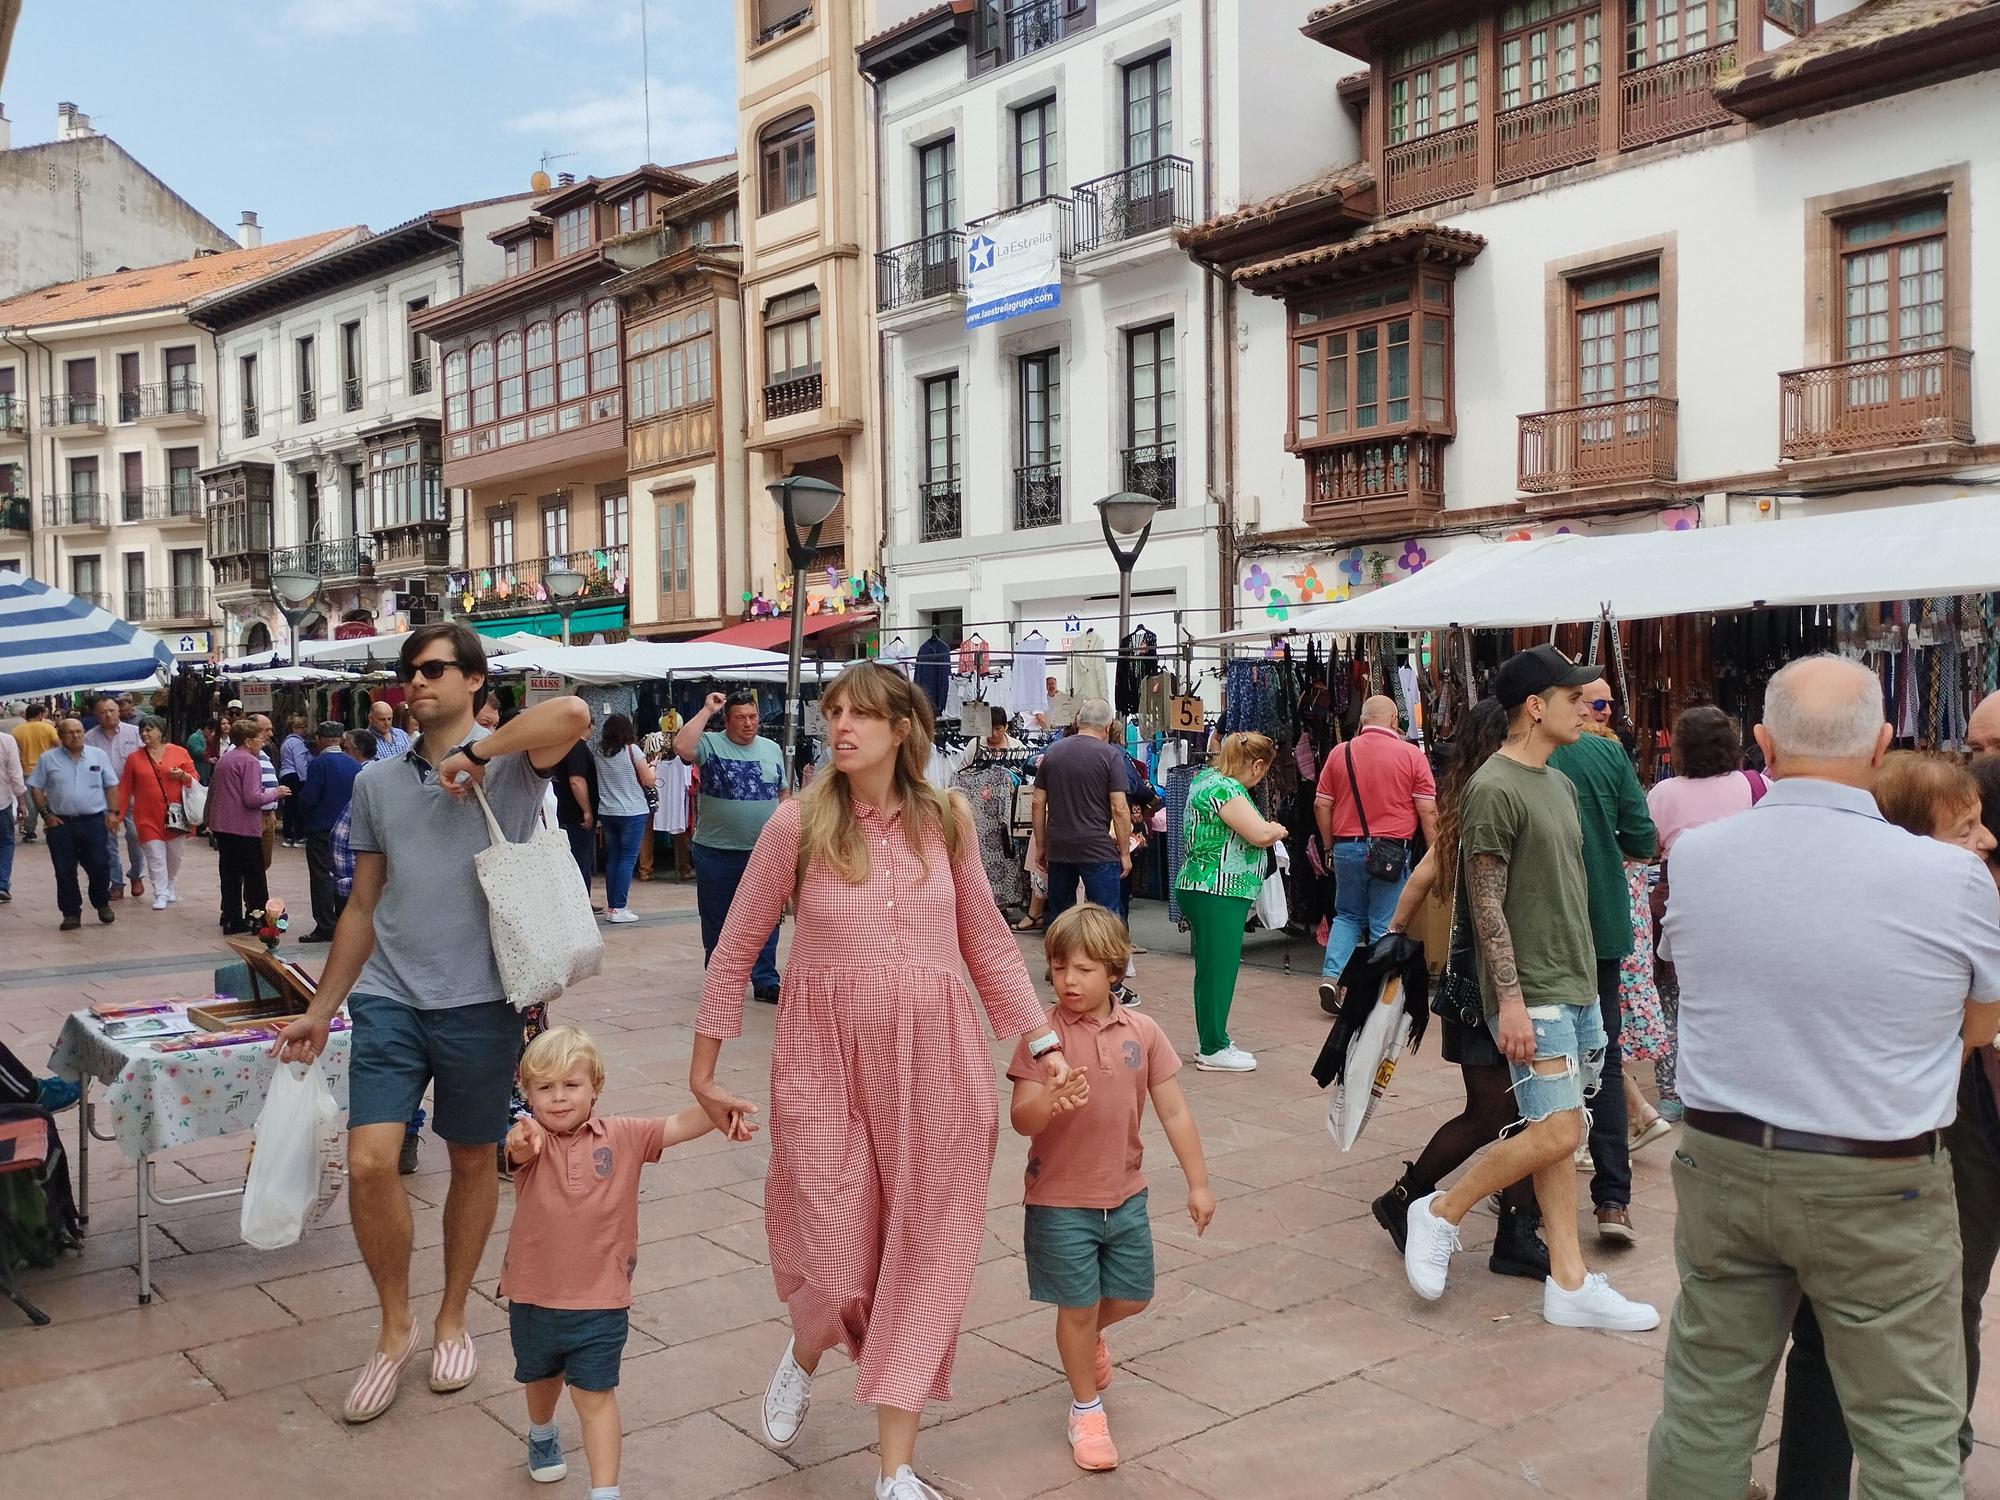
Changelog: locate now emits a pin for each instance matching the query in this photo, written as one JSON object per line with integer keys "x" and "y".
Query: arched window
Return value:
{"x": 482, "y": 384}
{"x": 541, "y": 365}
{"x": 569, "y": 356}
{"x": 603, "y": 345}
{"x": 788, "y": 171}
{"x": 513, "y": 397}
{"x": 257, "y": 638}
{"x": 457, "y": 407}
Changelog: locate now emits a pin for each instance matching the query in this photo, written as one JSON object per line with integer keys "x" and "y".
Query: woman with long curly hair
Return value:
{"x": 883, "y": 1104}
{"x": 1489, "y": 1103}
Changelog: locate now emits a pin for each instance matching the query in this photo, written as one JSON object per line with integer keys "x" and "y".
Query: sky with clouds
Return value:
{"x": 319, "y": 113}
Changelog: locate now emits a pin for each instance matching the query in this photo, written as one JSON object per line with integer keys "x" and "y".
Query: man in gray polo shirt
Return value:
{"x": 1833, "y": 971}
{"x": 413, "y": 959}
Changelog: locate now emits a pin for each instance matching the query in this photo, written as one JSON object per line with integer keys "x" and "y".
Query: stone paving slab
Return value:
{"x": 1284, "y": 1355}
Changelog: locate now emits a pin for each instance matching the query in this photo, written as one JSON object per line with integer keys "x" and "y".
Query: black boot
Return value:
{"x": 1392, "y": 1209}
{"x": 1517, "y": 1249}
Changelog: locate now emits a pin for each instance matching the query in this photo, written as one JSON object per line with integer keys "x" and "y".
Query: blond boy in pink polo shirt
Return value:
{"x": 573, "y": 1247}
{"x": 1087, "y": 1240}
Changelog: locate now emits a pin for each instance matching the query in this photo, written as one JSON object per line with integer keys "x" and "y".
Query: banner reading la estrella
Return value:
{"x": 1013, "y": 265}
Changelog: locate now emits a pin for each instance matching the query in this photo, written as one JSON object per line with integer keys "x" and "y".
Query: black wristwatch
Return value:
{"x": 471, "y": 754}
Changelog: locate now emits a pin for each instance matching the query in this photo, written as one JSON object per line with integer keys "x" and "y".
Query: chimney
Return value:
{"x": 565, "y": 179}
{"x": 248, "y": 232}
{"x": 6, "y": 130}
{"x": 71, "y": 122}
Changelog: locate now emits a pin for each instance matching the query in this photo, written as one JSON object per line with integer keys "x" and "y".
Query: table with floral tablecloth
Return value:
{"x": 153, "y": 1100}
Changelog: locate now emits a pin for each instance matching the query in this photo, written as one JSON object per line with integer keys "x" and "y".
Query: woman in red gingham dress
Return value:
{"x": 883, "y": 1102}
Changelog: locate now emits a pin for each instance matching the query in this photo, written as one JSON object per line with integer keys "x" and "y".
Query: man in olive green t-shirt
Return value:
{"x": 1522, "y": 843}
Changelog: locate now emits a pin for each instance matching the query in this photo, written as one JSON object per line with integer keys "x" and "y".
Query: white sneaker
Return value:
{"x": 159, "y": 903}
{"x": 1231, "y": 1059}
{"x": 904, "y": 1485}
{"x": 172, "y": 897}
{"x": 1596, "y": 1305}
{"x": 620, "y": 914}
{"x": 1583, "y": 1159}
{"x": 1427, "y": 1248}
{"x": 786, "y": 1400}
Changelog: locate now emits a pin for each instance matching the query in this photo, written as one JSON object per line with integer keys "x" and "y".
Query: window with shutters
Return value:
{"x": 676, "y": 597}
{"x": 787, "y": 154}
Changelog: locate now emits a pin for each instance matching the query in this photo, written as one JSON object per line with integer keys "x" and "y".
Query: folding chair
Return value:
{"x": 24, "y": 1147}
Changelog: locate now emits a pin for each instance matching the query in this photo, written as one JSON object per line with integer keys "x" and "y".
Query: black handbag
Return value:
{"x": 1458, "y": 996}
{"x": 1387, "y": 860}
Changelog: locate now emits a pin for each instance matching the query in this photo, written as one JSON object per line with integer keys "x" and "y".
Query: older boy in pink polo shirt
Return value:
{"x": 574, "y": 1245}
{"x": 1088, "y": 1243}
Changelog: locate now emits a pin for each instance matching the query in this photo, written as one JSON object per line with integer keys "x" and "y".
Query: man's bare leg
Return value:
{"x": 469, "y": 1207}
{"x": 1525, "y": 1153}
{"x": 381, "y": 1210}
{"x": 1555, "y": 1192}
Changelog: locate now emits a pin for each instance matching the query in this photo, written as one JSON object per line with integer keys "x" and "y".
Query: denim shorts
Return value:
{"x": 469, "y": 1052}
{"x": 1079, "y": 1256}
{"x": 581, "y": 1344}
{"x": 1571, "y": 1032}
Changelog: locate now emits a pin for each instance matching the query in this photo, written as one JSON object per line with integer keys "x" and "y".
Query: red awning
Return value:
{"x": 776, "y": 634}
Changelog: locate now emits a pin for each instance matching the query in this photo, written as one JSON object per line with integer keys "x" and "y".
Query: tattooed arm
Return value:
{"x": 1487, "y": 877}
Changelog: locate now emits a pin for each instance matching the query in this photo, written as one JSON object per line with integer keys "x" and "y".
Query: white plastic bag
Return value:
{"x": 295, "y": 1162}
{"x": 1271, "y": 907}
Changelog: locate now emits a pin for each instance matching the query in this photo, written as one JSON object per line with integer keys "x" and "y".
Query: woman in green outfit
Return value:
{"x": 1226, "y": 838}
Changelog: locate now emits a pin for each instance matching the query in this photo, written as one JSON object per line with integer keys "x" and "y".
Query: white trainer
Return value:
{"x": 620, "y": 914}
{"x": 786, "y": 1400}
{"x": 904, "y": 1485}
{"x": 1231, "y": 1059}
{"x": 159, "y": 903}
{"x": 1596, "y": 1305}
{"x": 1427, "y": 1248}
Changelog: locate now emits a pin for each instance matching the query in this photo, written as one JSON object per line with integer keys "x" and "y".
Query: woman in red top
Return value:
{"x": 151, "y": 788}
{"x": 883, "y": 1107}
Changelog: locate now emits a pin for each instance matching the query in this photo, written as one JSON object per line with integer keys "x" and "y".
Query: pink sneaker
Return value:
{"x": 1090, "y": 1440}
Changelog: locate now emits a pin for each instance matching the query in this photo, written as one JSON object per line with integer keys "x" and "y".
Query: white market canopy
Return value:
{"x": 367, "y": 650}
{"x": 636, "y": 661}
{"x": 54, "y": 642}
{"x": 1942, "y": 547}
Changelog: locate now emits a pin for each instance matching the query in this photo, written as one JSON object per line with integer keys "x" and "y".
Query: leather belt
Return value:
{"x": 1363, "y": 838}
{"x": 1754, "y": 1132}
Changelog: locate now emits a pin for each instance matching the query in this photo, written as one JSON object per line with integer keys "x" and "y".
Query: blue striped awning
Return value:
{"x": 53, "y": 642}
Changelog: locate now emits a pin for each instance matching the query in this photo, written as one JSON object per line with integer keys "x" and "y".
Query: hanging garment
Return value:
{"x": 1138, "y": 658}
{"x": 934, "y": 671}
{"x": 897, "y": 655}
{"x": 974, "y": 655}
{"x": 1250, "y": 697}
{"x": 1087, "y": 675}
{"x": 1156, "y": 696}
{"x": 990, "y": 790}
{"x": 1030, "y": 688}
{"x": 671, "y": 816}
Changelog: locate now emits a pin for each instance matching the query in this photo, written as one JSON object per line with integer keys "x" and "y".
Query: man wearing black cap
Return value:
{"x": 1522, "y": 841}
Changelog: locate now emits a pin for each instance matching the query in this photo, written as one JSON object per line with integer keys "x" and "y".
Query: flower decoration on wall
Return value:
{"x": 1523, "y": 535}
{"x": 1308, "y": 584}
{"x": 1276, "y": 606}
{"x": 1350, "y": 567}
{"x": 541, "y": 594}
{"x": 1414, "y": 558}
{"x": 1680, "y": 518}
{"x": 1256, "y": 583}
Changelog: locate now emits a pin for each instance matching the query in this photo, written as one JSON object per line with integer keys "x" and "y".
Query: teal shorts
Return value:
{"x": 1079, "y": 1256}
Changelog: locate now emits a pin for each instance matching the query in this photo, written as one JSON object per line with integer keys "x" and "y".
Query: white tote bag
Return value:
{"x": 295, "y": 1166}
{"x": 1271, "y": 907}
{"x": 544, "y": 936}
{"x": 194, "y": 802}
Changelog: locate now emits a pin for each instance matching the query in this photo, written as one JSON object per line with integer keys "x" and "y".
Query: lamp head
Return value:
{"x": 563, "y": 584}
{"x": 813, "y": 500}
{"x": 294, "y": 588}
{"x": 1127, "y": 514}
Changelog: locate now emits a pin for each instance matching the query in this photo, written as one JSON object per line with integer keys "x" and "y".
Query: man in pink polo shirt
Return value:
{"x": 1377, "y": 786}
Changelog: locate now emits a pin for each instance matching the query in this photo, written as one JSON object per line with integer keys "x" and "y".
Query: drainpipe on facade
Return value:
{"x": 1225, "y": 493}
{"x": 882, "y": 486}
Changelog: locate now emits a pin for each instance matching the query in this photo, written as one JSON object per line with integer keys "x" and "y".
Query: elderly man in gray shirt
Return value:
{"x": 1833, "y": 971}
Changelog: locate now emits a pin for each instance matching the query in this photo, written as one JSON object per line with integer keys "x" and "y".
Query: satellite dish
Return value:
{"x": 539, "y": 183}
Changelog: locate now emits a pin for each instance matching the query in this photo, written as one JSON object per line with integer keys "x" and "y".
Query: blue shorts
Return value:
{"x": 581, "y": 1344}
{"x": 1571, "y": 1032}
{"x": 1079, "y": 1256}
{"x": 470, "y": 1052}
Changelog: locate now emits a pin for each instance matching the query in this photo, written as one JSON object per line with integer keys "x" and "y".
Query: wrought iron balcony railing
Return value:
{"x": 170, "y": 401}
{"x": 72, "y": 411}
{"x": 933, "y": 266}
{"x": 518, "y": 586}
{"x": 941, "y": 514}
{"x": 332, "y": 558}
{"x": 1140, "y": 199}
{"x": 1151, "y": 469}
{"x": 420, "y": 376}
{"x": 1038, "y": 495}
{"x": 76, "y": 509}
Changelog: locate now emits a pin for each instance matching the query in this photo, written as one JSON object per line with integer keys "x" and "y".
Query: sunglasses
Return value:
{"x": 430, "y": 671}
{"x": 1598, "y": 705}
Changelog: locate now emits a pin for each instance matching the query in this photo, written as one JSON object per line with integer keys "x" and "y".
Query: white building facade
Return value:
{"x": 329, "y": 447}
{"x": 1612, "y": 265}
{"x": 1119, "y": 122}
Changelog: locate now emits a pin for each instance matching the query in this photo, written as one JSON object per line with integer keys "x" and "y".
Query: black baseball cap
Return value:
{"x": 1526, "y": 673}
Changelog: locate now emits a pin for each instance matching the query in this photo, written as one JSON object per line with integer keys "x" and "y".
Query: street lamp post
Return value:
{"x": 295, "y": 587}
{"x": 1126, "y": 515}
{"x": 565, "y": 585}
{"x": 804, "y": 503}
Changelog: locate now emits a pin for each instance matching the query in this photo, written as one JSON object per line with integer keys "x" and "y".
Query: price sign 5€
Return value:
{"x": 1184, "y": 715}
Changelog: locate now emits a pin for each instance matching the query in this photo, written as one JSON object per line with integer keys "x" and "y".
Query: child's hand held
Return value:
{"x": 1201, "y": 1208}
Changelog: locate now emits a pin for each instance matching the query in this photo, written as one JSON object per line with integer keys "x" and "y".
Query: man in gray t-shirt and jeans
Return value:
{"x": 412, "y": 957}
{"x": 742, "y": 783}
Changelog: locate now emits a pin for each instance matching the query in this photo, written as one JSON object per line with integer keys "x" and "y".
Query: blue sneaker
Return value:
{"x": 545, "y": 1460}
{"x": 58, "y": 1094}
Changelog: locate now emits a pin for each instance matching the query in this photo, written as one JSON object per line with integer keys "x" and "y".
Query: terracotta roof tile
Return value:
{"x": 1334, "y": 8}
{"x": 152, "y": 288}
{"x": 1336, "y": 182}
{"x": 1460, "y": 242}
{"x": 911, "y": 23}
{"x": 1870, "y": 25}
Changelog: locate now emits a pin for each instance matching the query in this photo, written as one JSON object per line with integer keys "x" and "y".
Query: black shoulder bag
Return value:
{"x": 1457, "y": 996}
{"x": 1387, "y": 859}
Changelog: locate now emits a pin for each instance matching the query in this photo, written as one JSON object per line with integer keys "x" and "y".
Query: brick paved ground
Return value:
{"x": 1285, "y": 1356}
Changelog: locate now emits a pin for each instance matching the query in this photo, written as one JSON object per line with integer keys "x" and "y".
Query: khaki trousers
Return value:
{"x": 1875, "y": 1244}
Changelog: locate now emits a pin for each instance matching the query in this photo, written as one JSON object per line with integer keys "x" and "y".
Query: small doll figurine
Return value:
{"x": 270, "y": 923}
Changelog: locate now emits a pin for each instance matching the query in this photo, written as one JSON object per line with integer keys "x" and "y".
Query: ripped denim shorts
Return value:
{"x": 1572, "y": 1032}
